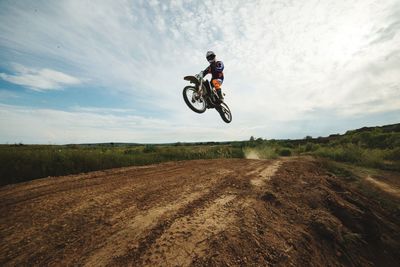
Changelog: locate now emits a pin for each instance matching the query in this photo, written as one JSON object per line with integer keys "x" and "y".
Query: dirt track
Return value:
{"x": 200, "y": 213}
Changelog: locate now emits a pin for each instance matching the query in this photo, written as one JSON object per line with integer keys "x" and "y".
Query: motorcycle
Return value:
{"x": 201, "y": 96}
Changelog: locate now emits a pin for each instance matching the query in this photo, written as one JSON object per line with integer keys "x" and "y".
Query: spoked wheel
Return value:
{"x": 225, "y": 112}
{"x": 193, "y": 100}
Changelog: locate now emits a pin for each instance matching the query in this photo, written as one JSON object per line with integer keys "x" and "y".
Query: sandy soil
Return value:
{"x": 388, "y": 188}
{"x": 285, "y": 212}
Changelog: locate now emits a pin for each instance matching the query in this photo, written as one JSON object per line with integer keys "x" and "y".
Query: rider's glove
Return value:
{"x": 200, "y": 75}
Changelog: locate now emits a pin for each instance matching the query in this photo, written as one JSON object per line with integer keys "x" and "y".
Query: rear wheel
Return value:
{"x": 193, "y": 100}
{"x": 225, "y": 112}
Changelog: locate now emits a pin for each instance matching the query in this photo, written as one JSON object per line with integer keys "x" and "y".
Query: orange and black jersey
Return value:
{"x": 216, "y": 70}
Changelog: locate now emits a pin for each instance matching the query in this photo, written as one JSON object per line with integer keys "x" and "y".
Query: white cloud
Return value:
{"x": 5, "y": 94}
{"x": 102, "y": 110}
{"x": 285, "y": 60}
{"x": 39, "y": 79}
{"x": 92, "y": 125}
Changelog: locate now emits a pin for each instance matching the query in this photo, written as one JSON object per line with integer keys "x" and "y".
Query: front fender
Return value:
{"x": 192, "y": 79}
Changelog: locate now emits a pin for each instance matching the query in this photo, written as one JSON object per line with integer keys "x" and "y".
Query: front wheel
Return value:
{"x": 225, "y": 112}
{"x": 193, "y": 100}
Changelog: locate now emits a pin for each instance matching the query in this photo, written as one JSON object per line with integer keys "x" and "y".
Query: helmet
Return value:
{"x": 210, "y": 56}
{"x": 219, "y": 66}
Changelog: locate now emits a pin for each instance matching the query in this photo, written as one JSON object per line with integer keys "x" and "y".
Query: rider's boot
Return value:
{"x": 221, "y": 97}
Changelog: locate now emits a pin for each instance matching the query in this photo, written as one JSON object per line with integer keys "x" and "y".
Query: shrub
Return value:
{"x": 285, "y": 152}
{"x": 373, "y": 158}
{"x": 149, "y": 149}
{"x": 28, "y": 162}
{"x": 311, "y": 147}
{"x": 393, "y": 154}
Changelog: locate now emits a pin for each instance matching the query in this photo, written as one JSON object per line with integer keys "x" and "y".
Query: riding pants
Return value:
{"x": 217, "y": 83}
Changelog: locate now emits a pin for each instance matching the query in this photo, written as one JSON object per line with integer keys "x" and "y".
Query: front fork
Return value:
{"x": 199, "y": 91}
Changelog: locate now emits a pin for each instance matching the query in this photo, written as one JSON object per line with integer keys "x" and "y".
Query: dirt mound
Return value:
{"x": 199, "y": 213}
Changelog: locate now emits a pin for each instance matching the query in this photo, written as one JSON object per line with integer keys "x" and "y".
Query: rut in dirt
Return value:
{"x": 196, "y": 213}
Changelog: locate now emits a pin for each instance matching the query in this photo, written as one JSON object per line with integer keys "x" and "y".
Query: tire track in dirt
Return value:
{"x": 236, "y": 212}
{"x": 265, "y": 174}
{"x": 384, "y": 186}
{"x": 186, "y": 239}
{"x": 130, "y": 229}
{"x": 119, "y": 243}
{"x": 68, "y": 204}
{"x": 136, "y": 220}
{"x": 136, "y": 256}
{"x": 72, "y": 207}
{"x": 59, "y": 185}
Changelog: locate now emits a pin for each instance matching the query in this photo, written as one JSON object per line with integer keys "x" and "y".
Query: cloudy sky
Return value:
{"x": 112, "y": 71}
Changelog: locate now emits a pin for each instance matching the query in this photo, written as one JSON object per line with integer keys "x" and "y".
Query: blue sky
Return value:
{"x": 112, "y": 71}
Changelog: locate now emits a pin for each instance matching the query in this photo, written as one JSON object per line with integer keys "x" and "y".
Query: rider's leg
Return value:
{"x": 217, "y": 85}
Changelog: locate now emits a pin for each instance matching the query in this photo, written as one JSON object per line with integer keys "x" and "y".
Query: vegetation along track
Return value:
{"x": 229, "y": 212}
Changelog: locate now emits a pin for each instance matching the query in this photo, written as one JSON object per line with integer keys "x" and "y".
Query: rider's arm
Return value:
{"x": 207, "y": 71}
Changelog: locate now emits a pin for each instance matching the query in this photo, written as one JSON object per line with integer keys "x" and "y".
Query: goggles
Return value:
{"x": 211, "y": 57}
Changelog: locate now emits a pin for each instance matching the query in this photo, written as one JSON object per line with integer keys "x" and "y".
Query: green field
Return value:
{"x": 26, "y": 162}
{"x": 376, "y": 147}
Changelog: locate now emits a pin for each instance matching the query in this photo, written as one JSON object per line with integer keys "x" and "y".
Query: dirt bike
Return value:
{"x": 201, "y": 96}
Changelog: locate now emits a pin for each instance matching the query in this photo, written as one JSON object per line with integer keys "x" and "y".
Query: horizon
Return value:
{"x": 112, "y": 72}
{"x": 203, "y": 142}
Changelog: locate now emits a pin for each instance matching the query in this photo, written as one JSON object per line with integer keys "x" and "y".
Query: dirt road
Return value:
{"x": 196, "y": 213}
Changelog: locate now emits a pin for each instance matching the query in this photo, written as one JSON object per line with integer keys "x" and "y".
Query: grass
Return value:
{"x": 375, "y": 158}
{"x": 26, "y": 162}
{"x": 375, "y": 147}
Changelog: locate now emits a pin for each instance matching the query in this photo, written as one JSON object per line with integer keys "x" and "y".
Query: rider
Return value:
{"x": 215, "y": 68}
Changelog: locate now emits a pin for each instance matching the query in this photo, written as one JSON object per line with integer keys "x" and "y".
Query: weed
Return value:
{"x": 27, "y": 162}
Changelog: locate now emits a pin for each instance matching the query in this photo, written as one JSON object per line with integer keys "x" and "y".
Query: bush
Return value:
{"x": 348, "y": 153}
{"x": 393, "y": 154}
{"x": 285, "y": 152}
{"x": 28, "y": 162}
{"x": 149, "y": 149}
{"x": 311, "y": 147}
{"x": 375, "y": 158}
